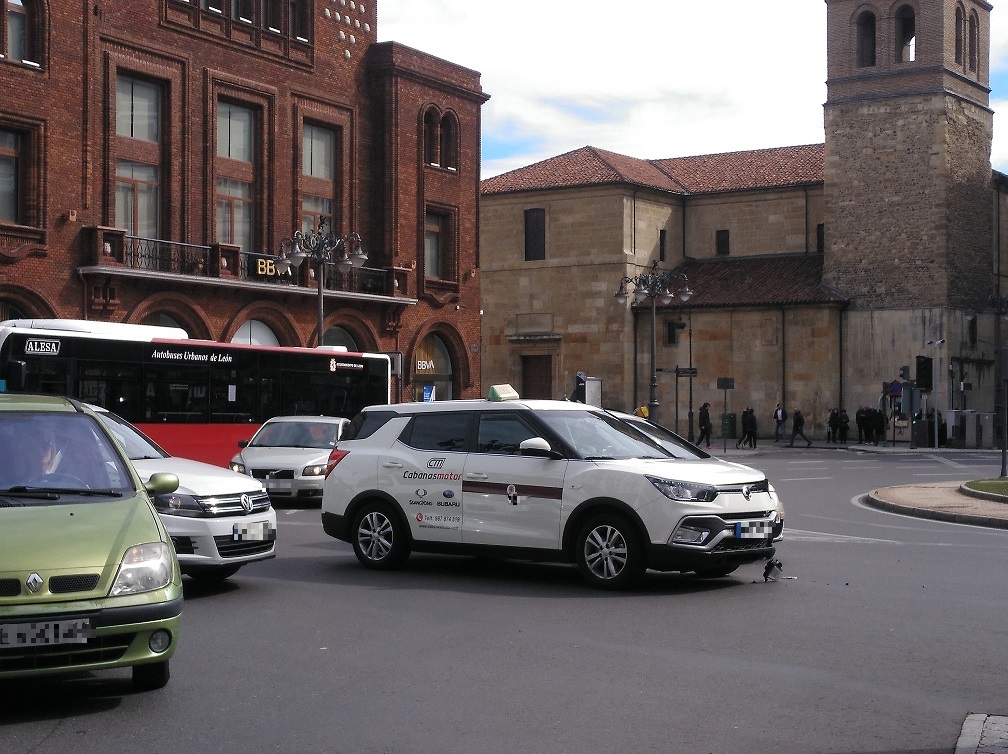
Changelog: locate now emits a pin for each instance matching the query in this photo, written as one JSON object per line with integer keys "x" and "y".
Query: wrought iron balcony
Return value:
{"x": 113, "y": 247}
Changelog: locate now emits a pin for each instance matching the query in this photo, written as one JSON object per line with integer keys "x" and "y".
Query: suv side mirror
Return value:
{"x": 243, "y": 443}
{"x": 539, "y": 448}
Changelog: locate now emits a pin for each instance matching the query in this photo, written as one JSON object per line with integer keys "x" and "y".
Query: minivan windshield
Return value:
{"x": 597, "y": 437}
{"x": 59, "y": 453}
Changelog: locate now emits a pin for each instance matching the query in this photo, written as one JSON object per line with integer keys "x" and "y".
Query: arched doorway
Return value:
{"x": 433, "y": 373}
{"x": 10, "y": 310}
{"x": 161, "y": 320}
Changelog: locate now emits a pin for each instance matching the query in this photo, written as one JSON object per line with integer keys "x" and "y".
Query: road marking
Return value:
{"x": 805, "y": 479}
{"x": 821, "y": 536}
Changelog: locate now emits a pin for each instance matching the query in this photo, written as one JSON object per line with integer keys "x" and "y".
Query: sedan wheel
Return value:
{"x": 609, "y": 553}
{"x": 379, "y": 539}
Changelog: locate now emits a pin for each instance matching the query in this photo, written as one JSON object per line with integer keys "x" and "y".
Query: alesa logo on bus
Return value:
{"x": 37, "y": 347}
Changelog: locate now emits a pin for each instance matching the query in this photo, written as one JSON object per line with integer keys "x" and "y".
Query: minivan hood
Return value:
{"x": 198, "y": 478}
{"x": 73, "y": 536}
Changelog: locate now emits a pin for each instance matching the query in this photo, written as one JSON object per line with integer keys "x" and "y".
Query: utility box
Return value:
{"x": 966, "y": 429}
{"x": 985, "y": 431}
{"x": 593, "y": 391}
{"x": 728, "y": 426}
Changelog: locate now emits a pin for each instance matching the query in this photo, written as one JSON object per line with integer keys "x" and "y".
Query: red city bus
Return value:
{"x": 195, "y": 398}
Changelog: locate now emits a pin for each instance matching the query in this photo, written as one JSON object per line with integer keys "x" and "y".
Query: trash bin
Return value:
{"x": 728, "y": 426}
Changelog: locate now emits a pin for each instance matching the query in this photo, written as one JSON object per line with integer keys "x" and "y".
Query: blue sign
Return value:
{"x": 428, "y": 393}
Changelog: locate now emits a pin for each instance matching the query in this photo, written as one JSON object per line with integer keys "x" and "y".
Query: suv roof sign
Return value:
{"x": 502, "y": 393}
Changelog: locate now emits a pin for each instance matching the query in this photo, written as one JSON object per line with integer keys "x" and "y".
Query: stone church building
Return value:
{"x": 816, "y": 271}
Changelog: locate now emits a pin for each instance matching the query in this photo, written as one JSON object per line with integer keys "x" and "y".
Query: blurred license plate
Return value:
{"x": 13, "y": 635}
{"x": 256, "y": 531}
{"x": 752, "y": 529}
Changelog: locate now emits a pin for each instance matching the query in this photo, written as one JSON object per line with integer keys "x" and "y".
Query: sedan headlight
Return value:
{"x": 144, "y": 568}
{"x": 178, "y": 504}
{"x": 689, "y": 492}
{"x": 237, "y": 466}
{"x": 314, "y": 470}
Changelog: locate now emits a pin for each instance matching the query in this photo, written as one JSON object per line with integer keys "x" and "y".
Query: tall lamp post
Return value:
{"x": 654, "y": 284}
{"x": 1000, "y": 305}
{"x": 319, "y": 249}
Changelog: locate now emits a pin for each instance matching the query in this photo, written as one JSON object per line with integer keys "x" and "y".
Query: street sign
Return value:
{"x": 685, "y": 372}
{"x": 725, "y": 383}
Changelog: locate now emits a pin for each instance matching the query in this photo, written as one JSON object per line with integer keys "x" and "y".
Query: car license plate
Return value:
{"x": 752, "y": 529}
{"x": 256, "y": 531}
{"x": 15, "y": 635}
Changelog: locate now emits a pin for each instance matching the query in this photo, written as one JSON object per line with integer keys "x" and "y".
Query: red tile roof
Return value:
{"x": 731, "y": 171}
{"x": 772, "y": 280}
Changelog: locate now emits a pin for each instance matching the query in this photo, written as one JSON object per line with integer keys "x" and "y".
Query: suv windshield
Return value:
{"x": 595, "y": 436}
{"x": 137, "y": 445}
{"x": 58, "y": 453}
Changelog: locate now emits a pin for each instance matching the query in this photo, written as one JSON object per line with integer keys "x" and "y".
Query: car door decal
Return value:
{"x": 512, "y": 490}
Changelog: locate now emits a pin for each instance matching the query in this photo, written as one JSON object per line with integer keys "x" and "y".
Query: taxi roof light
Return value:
{"x": 502, "y": 393}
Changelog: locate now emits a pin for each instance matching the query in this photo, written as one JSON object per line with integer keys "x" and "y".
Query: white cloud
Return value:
{"x": 649, "y": 78}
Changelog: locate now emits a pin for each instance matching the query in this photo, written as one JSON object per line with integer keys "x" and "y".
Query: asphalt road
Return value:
{"x": 885, "y": 633}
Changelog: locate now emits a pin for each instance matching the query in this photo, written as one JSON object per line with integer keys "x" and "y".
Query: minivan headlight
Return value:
{"x": 688, "y": 492}
{"x": 237, "y": 466}
{"x": 144, "y": 568}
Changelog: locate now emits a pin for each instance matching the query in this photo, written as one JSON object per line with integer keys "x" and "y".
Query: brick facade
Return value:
{"x": 63, "y": 256}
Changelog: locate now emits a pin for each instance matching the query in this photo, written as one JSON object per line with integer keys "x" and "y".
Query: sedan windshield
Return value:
{"x": 297, "y": 434}
{"x": 595, "y": 436}
{"x": 137, "y": 445}
{"x": 58, "y": 453}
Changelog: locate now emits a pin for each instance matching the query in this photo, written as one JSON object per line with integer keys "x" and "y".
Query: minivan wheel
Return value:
{"x": 379, "y": 539}
{"x": 609, "y": 553}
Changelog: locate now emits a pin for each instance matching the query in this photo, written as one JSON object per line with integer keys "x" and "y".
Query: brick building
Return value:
{"x": 817, "y": 271}
{"x": 154, "y": 155}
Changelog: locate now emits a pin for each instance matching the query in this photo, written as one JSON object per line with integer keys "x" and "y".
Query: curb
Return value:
{"x": 937, "y": 515}
{"x": 981, "y": 495}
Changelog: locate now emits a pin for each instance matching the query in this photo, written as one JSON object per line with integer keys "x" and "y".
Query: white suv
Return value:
{"x": 546, "y": 480}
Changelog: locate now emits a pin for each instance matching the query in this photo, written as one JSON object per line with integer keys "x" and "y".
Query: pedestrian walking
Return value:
{"x": 798, "y": 429}
{"x": 705, "y": 425}
{"x": 780, "y": 416}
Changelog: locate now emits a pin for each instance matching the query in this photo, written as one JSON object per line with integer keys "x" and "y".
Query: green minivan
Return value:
{"x": 88, "y": 576}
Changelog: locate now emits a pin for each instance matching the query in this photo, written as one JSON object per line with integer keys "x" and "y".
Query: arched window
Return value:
{"x": 255, "y": 333}
{"x": 10, "y": 310}
{"x": 430, "y": 137}
{"x": 906, "y": 35}
{"x": 161, "y": 320}
{"x": 866, "y": 40}
{"x": 960, "y": 33}
{"x": 974, "y": 47}
{"x": 449, "y": 141}
{"x": 337, "y": 336}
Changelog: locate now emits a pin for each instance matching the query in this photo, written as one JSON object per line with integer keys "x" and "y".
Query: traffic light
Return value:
{"x": 924, "y": 374}
{"x": 905, "y": 373}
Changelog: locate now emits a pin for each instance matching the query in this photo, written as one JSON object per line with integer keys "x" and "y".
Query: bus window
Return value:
{"x": 111, "y": 385}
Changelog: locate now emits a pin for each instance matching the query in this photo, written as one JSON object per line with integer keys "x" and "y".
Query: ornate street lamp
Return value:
{"x": 319, "y": 249}
{"x": 657, "y": 285}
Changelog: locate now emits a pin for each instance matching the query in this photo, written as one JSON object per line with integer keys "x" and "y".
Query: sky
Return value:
{"x": 645, "y": 78}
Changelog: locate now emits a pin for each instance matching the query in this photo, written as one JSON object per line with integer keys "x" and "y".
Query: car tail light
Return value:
{"x": 335, "y": 456}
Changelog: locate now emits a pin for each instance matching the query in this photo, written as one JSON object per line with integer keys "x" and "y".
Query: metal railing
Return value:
{"x": 166, "y": 256}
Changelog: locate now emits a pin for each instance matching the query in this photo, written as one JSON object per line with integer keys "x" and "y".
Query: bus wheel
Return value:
{"x": 379, "y": 539}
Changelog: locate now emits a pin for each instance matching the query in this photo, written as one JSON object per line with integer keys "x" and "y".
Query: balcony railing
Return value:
{"x": 113, "y": 247}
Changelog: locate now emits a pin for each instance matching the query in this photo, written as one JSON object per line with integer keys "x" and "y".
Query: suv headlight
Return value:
{"x": 688, "y": 492}
{"x": 317, "y": 469}
{"x": 178, "y": 504}
{"x": 144, "y": 568}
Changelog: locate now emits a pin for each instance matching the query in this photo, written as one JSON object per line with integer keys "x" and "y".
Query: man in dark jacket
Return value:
{"x": 705, "y": 425}
{"x": 798, "y": 428}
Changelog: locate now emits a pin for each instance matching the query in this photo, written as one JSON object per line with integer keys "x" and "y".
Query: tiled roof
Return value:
{"x": 590, "y": 166}
{"x": 772, "y": 280}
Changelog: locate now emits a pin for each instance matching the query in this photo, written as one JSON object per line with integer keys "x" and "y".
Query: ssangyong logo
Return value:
{"x": 40, "y": 347}
{"x": 435, "y": 463}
